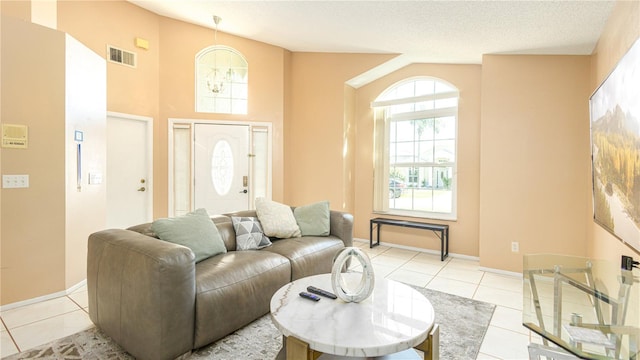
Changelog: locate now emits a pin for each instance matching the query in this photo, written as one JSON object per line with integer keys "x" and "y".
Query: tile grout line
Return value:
{"x": 75, "y": 302}
{"x": 478, "y": 286}
{"x": 11, "y": 336}
{"x": 47, "y": 318}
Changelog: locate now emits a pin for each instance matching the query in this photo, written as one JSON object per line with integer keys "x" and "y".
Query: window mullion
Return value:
{"x": 437, "y": 113}
{"x": 415, "y": 99}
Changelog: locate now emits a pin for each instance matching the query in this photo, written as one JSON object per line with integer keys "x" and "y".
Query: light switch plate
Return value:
{"x": 15, "y": 181}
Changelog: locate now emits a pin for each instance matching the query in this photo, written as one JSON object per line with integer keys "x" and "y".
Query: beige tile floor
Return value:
{"x": 32, "y": 325}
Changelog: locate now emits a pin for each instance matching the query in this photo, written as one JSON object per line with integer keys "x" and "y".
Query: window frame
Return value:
{"x": 232, "y": 99}
{"x": 382, "y": 133}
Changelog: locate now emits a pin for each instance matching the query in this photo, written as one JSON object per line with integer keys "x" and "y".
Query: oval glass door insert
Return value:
{"x": 222, "y": 167}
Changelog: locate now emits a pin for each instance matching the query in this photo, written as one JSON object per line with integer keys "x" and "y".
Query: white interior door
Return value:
{"x": 129, "y": 169}
{"x": 221, "y": 167}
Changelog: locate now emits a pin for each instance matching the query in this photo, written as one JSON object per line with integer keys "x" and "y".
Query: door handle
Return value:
{"x": 244, "y": 191}
{"x": 142, "y": 189}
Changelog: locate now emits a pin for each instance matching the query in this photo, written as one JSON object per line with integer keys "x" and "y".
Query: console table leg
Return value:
{"x": 442, "y": 238}
{"x": 298, "y": 350}
{"x": 431, "y": 345}
{"x": 370, "y": 234}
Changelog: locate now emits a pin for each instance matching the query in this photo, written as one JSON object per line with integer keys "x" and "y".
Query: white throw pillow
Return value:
{"x": 277, "y": 219}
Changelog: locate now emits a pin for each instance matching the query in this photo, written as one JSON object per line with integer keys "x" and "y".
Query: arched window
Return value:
{"x": 221, "y": 81}
{"x": 415, "y": 149}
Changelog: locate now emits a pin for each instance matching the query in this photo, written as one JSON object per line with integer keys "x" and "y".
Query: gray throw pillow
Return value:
{"x": 194, "y": 230}
{"x": 249, "y": 234}
{"x": 313, "y": 219}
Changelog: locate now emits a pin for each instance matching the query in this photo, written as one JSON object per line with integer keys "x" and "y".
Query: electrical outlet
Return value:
{"x": 515, "y": 247}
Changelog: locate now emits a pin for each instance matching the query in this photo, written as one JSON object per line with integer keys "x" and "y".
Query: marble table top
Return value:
{"x": 394, "y": 318}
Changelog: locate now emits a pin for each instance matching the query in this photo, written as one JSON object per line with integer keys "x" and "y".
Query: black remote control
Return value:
{"x": 306, "y": 295}
{"x": 315, "y": 290}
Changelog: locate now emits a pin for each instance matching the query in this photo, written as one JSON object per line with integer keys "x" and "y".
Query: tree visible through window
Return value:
{"x": 416, "y": 128}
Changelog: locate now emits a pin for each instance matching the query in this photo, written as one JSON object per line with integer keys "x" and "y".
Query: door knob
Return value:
{"x": 142, "y": 189}
{"x": 244, "y": 191}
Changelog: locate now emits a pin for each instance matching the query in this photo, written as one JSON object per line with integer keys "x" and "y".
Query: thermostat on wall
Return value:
{"x": 14, "y": 136}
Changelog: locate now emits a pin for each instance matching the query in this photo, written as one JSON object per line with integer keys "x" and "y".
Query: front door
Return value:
{"x": 129, "y": 196}
{"x": 221, "y": 168}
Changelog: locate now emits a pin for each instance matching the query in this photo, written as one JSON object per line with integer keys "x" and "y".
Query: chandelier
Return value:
{"x": 217, "y": 77}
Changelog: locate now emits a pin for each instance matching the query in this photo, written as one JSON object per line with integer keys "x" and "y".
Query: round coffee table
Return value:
{"x": 393, "y": 319}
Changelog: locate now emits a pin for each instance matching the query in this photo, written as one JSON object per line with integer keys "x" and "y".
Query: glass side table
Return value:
{"x": 590, "y": 308}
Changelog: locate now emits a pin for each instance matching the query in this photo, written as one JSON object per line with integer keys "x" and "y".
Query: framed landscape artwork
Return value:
{"x": 615, "y": 150}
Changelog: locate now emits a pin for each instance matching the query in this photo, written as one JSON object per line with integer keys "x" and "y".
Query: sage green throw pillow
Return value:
{"x": 313, "y": 219}
{"x": 194, "y": 230}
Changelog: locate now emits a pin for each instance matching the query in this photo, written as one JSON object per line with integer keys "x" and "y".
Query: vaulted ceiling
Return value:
{"x": 457, "y": 32}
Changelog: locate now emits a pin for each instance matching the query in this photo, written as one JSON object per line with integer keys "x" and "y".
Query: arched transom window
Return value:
{"x": 221, "y": 81}
{"x": 415, "y": 149}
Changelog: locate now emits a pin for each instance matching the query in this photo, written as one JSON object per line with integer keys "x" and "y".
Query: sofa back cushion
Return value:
{"x": 225, "y": 228}
{"x": 144, "y": 229}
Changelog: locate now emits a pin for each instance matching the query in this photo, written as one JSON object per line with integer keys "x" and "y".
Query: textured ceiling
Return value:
{"x": 458, "y": 32}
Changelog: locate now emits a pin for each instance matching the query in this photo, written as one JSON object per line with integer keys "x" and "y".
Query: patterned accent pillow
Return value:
{"x": 249, "y": 235}
{"x": 277, "y": 219}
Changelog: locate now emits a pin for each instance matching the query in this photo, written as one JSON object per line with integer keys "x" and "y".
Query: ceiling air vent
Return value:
{"x": 121, "y": 56}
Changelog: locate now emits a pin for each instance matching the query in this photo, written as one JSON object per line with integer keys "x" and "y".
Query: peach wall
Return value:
{"x": 129, "y": 90}
{"x": 1, "y": 267}
{"x": 349, "y": 153}
{"x": 316, "y": 160}
{"x": 535, "y": 157}
{"x": 33, "y": 218}
{"x": 16, "y": 9}
{"x": 162, "y": 85}
{"x": 464, "y": 231}
{"x": 323, "y": 134}
{"x": 621, "y": 31}
{"x": 267, "y": 65}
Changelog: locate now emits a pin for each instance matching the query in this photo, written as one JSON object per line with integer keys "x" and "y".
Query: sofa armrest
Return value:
{"x": 341, "y": 224}
{"x": 141, "y": 292}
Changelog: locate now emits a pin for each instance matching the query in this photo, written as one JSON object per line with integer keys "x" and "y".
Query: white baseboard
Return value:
{"x": 501, "y": 272}
{"x": 428, "y": 251}
{"x": 44, "y": 297}
{"x": 76, "y": 286}
{"x": 436, "y": 252}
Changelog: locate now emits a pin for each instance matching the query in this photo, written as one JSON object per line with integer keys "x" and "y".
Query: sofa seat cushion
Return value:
{"x": 309, "y": 255}
{"x": 233, "y": 289}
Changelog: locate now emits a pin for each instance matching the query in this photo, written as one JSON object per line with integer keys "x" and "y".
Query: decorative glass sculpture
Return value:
{"x": 367, "y": 281}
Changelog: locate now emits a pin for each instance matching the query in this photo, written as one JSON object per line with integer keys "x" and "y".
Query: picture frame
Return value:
{"x": 615, "y": 150}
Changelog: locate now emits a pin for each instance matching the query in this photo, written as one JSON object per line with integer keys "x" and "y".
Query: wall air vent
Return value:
{"x": 120, "y": 56}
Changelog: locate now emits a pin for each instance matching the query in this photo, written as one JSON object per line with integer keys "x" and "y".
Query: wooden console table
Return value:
{"x": 442, "y": 231}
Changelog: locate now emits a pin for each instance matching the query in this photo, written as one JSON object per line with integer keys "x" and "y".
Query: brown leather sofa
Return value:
{"x": 152, "y": 298}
